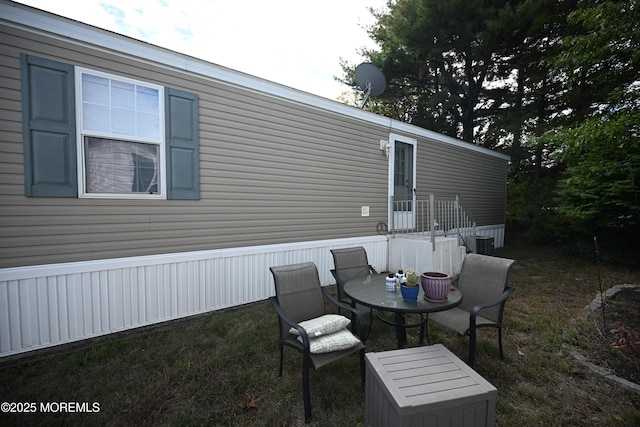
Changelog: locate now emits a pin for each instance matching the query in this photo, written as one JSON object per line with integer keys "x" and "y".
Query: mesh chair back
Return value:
{"x": 350, "y": 263}
{"x": 299, "y": 292}
{"x": 482, "y": 279}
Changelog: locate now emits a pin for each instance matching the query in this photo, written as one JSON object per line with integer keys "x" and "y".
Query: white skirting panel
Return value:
{"x": 417, "y": 251}
{"x": 47, "y": 305}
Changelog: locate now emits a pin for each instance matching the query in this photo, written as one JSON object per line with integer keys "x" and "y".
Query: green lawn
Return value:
{"x": 222, "y": 368}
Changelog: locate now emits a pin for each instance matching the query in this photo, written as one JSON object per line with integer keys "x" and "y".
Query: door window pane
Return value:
{"x": 403, "y": 176}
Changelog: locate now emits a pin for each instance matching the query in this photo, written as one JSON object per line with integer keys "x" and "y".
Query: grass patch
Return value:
{"x": 222, "y": 368}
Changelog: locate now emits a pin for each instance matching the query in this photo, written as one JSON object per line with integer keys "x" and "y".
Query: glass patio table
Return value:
{"x": 371, "y": 291}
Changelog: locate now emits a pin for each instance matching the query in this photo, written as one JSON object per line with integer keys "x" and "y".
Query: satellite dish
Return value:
{"x": 370, "y": 80}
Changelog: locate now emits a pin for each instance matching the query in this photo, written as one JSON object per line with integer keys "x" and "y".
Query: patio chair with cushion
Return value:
{"x": 483, "y": 281}
{"x": 351, "y": 263}
{"x": 306, "y": 326}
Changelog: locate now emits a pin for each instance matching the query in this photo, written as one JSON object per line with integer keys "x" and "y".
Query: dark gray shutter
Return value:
{"x": 49, "y": 130}
{"x": 183, "y": 154}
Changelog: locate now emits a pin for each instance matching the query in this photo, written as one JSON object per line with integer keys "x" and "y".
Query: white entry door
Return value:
{"x": 402, "y": 182}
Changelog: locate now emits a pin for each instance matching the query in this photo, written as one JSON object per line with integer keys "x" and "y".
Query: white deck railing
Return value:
{"x": 442, "y": 216}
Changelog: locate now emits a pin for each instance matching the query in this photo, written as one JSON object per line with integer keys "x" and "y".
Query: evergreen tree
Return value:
{"x": 602, "y": 150}
{"x": 474, "y": 70}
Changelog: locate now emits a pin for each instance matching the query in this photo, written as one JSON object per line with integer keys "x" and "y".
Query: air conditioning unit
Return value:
{"x": 484, "y": 245}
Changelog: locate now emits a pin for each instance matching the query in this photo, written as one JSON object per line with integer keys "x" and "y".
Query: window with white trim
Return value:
{"x": 120, "y": 136}
{"x": 93, "y": 134}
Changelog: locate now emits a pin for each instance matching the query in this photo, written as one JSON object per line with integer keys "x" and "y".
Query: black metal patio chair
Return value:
{"x": 353, "y": 262}
{"x": 350, "y": 263}
{"x": 483, "y": 281}
{"x": 299, "y": 301}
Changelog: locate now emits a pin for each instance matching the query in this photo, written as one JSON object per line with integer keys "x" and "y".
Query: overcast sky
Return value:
{"x": 297, "y": 43}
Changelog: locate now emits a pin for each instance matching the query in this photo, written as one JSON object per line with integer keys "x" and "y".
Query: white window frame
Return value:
{"x": 82, "y": 133}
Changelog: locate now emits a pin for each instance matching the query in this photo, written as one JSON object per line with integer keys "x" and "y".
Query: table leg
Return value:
{"x": 401, "y": 331}
{"x": 424, "y": 330}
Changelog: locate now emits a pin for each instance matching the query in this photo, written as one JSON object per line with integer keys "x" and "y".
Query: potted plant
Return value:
{"x": 436, "y": 286}
{"x": 410, "y": 287}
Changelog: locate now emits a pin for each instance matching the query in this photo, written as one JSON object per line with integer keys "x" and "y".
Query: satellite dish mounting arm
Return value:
{"x": 367, "y": 94}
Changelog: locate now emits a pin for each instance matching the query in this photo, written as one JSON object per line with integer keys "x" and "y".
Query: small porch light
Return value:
{"x": 384, "y": 146}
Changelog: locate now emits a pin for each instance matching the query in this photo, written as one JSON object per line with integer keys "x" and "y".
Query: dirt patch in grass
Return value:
{"x": 618, "y": 324}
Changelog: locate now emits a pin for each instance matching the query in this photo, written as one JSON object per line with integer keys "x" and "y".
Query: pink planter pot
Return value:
{"x": 436, "y": 286}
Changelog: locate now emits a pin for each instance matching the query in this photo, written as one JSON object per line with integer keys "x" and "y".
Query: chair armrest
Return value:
{"x": 455, "y": 278}
{"x": 477, "y": 308}
{"x": 301, "y": 331}
{"x": 353, "y": 310}
{"x": 339, "y": 284}
{"x": 340, "y": 304}
{"x": 335, "y": 276}
{"x": 373, "y": 270}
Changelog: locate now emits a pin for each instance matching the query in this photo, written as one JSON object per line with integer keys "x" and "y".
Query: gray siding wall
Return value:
{"x": 271, "y": 171}
{"x": 481, "y": 180}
